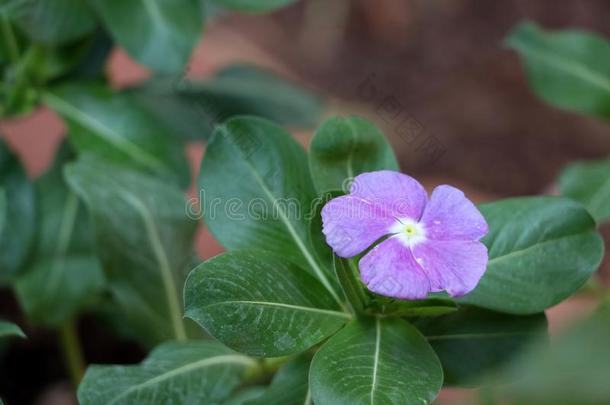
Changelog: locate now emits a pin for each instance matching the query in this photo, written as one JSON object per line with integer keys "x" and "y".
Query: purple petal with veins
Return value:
{"x": 433, "y": 245}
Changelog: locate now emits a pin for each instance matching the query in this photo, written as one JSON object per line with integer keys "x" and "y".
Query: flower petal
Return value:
{"x": 390, "y": 269}
{"x": 449, "y": 215}
{"x": 453, "y": 266}
{"x": 399, "y": 194}
{"x": 351, "y": 224}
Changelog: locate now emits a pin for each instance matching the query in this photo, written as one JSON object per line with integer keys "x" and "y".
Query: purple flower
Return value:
{"x": 432, "y": 244}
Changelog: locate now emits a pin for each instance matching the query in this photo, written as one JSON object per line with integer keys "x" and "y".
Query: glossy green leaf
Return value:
{"x": 541, "y": 250}
{"x": 110, "y": 125}
{"x": 160, "y": 34}
{"x": 255, "y": 6}
{"x": 17, "y": 236}
{"x": 574, "y": 370}
{"x": 55, "y": 22}
{"x": 256, "y": 192}
{"x": 375, "y": 361}
{"x": 261, "y": 304}
{"x": 290, "y": 385}
{"x": 144, "y": 241}
{"x": 343, "y": 148}
{"x": 9, "y": 329}
{"x": 191, "y": 373}
{"x": 473, "y": 342}
{"x": 589, "y": 183}
{"x": 64, "y": 274}
{"x": 569, "y": 69}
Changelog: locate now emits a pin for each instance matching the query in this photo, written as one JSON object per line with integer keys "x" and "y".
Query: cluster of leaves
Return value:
{"x": 108, "y": 232}
{"x": 56, "y": 238}
{"x": 105, "y": 229}
{"x": 568, "y": 69}
{"x": 44, "y": 43}
{"x": 278, "y": 293}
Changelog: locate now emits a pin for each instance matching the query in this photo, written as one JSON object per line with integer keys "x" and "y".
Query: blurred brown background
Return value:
{"x": 438, "y": 66}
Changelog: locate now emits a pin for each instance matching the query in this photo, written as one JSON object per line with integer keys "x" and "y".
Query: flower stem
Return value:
{"x": 73, "y": 355}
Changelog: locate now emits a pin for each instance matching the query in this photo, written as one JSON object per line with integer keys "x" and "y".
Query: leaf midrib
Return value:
{"x": 464, "y": 336}
{"x": 228, "y": 359}
{"x": 329, "y": 312}
{"x": 167, "y": 277}
{"x": 376, "y": 358}
{"x": 100, "y": 130}
{"x": 155, "y": 14}
{"x": 66, "y": 229}
{"x": 300, "y": 243}
{"x": 574, "y": 69}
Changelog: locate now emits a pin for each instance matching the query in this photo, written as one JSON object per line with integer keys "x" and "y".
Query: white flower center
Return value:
{"x": 409, "y": 232}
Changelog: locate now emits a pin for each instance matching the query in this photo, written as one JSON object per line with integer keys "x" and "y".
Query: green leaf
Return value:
{"x": 343, "y": 148}
{"x": 56, "y": 22}
{"x": 9, "y": 329}
{"x": 111, "y": 125}
{"x": 53, "y": 290}
{"x": 187, "y": 117}
{"x": 144, "y": 240}
{"x": 589, "y": 184}
{"x": 375, "y": 361}
{"x": 569, "y": 69}
{"x": 189, "y": 373}
{"x": 257, "y": 193}
{"x": 157, "y": 33}
{"x": 290, "y": 385}
{"x": 260, "y": 304}
{"x": 65, "y": 275}
{"x": 192, "y": 108}
{"x": 541, "y": 250}
{"x": 473, "y": 342}
{"x": 254, "y": 6}
{"x": 574, "y": 370}
{"x": 17, "y": 236}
